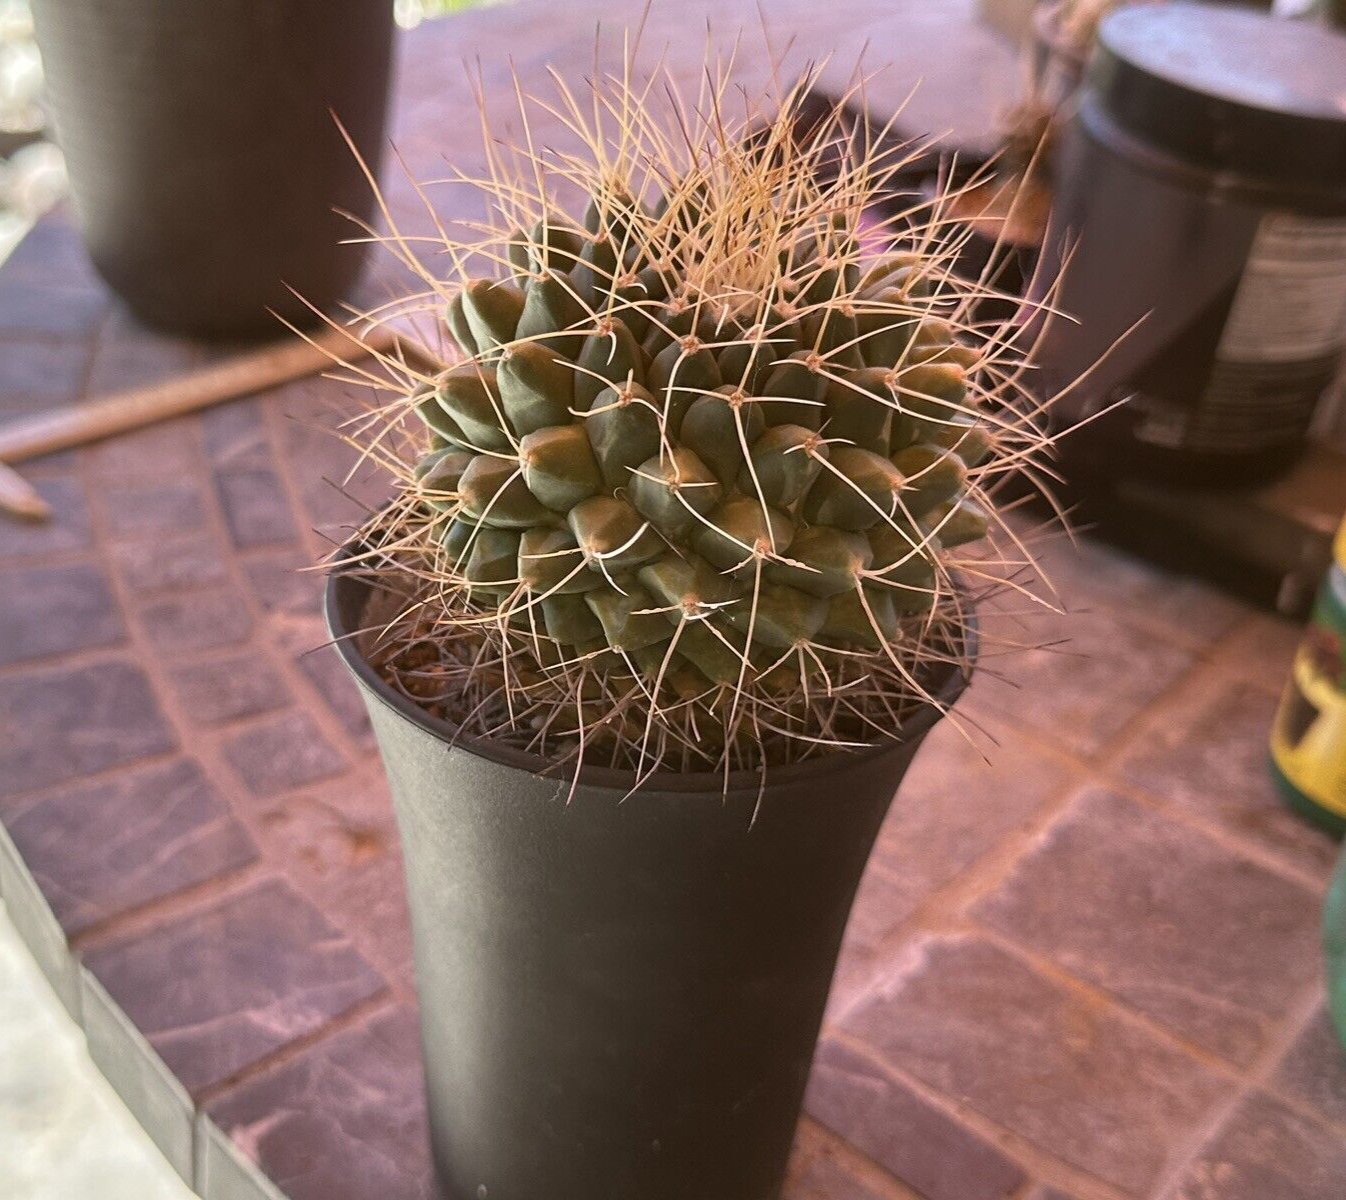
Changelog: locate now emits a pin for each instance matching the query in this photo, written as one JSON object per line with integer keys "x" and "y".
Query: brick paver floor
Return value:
{"x": 1086, "y": 969}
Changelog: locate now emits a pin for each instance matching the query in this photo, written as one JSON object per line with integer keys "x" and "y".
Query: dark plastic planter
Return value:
{"x": 203, "y": 156}
{"x": 619, "y": 1000}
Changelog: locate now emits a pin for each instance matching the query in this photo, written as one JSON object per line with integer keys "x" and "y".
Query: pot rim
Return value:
{"x": 922, "y": 721}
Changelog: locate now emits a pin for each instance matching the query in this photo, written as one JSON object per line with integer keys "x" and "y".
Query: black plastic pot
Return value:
{"x": 203, "y": 155}
{"x": 619, "y": 1000}
{"x": 1196, "y": 243}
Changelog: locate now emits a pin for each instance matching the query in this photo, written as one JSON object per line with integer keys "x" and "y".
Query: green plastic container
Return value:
{"x": 1308, "y": 753}
{"x": 1334, "y": 947}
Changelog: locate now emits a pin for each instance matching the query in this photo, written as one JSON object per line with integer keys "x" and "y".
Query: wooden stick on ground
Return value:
{"x": 122, "y": 411}
{"x": 19, "y": 497}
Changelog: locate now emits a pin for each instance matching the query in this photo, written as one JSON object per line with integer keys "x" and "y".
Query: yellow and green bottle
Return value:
{"x": 1308, "y": 753}
{"x": 1308, "y": 738}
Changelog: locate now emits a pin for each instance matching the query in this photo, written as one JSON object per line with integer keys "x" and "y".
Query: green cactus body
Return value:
{"x": 726, "y": 496}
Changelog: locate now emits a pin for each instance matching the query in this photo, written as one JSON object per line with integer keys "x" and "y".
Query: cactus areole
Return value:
{"x": 695, "y": 493}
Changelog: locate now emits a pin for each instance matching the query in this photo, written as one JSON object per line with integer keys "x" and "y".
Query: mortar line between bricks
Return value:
{"x": 261, "y": 639}
{"x": 1108, "y": 749}
{"x": 248, "y": 722}
{"x": 1257, "y": 1075}
{"x": 1039, "y": 741}
{"x": 309, "y": 698}
{"x": 220, "y": 656}
{"x": 1295, "y": 1026}
{"x": 1156, "y": 628}
{"x": 312, "y": 549}
{"x": 1043, "y": 738}
{"x": 25, "y": 561}
{"x": 196, "y": 900}
{"x": 315, "y": 705}
{"x": 872, "y": 1174}
{"x": 1068, "y": 536}
{"x": 304, "y": 791}
{"x": 1207, "y": 664}
{"x": 273, "y": 425}
{"x": 191, "y": 742}
{"x": 1211, "y": 670}
{"x": 1225, "y": 659}
{"x": 1037, "y": 1162}
{"x": 86, "y": 656}
{"x": 109, "y": 774}
{"x": 199, "y": 897}
{"x": 1200, "y": 652}
{"x": 1106, "y": 776}
{"x": 947, "y": 904}
{"x": 1109, "y": 770}
{"x": 1282, "y": 866}
{"x": 57, "y": 659}
{"x": 96, "y": 548}
{"x": 1281, "y": 1031}
{"x": 359, "y": 1013}
{"x": 1097, "y": 994}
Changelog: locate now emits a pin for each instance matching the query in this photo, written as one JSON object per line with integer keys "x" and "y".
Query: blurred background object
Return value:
{"x": 206, "y": 165}
{"x": 64, "y": 1132}
{"x": 1199, "y": 243}
{"x": 32, "y": 169}
{"x": 1200, "y": 127}
{"x": 410, "y": 13}
{"x": 1268, "y": 541}
{"x": 21, "y": 116}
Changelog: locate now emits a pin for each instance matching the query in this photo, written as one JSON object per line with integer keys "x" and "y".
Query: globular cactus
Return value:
{"x": 775, "y": 481}
{"x": 694, "y": 486}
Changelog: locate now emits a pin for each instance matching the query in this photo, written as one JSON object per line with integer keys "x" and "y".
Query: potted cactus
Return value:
{"x": 693, "y": 502}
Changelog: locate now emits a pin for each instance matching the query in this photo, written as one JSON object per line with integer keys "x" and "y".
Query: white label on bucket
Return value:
{"x": 1291, "y": 302}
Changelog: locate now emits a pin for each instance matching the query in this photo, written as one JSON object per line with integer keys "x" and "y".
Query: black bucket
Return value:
{"x": 619, "y": 997}
{"x": 204, "y": 158}
{"x": 1198, "y": 243}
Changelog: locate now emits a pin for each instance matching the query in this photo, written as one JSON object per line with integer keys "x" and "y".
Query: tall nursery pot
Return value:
{"x": 619, "y": 1001}
{"x": 203, "y": 154}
